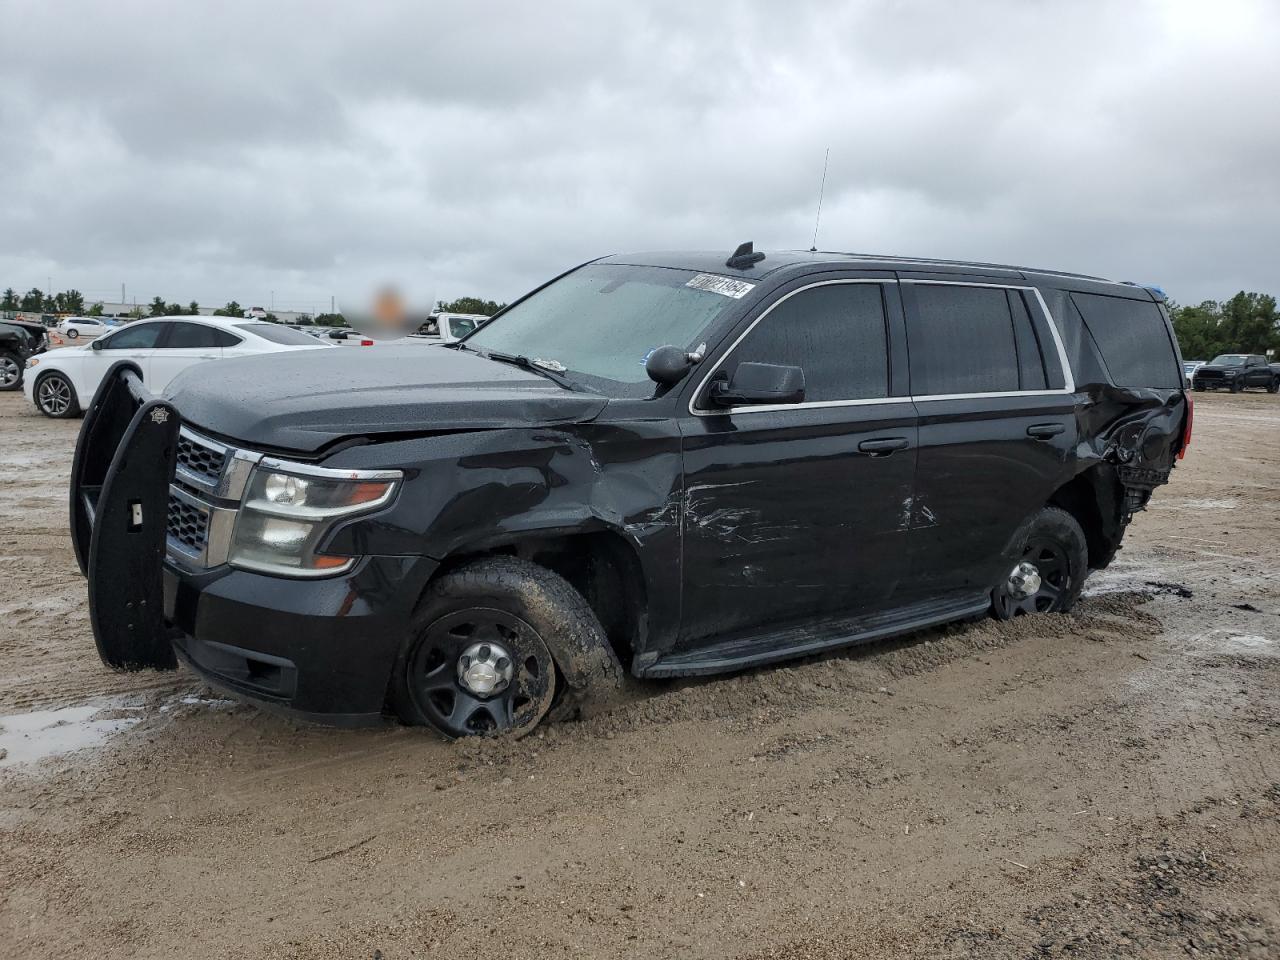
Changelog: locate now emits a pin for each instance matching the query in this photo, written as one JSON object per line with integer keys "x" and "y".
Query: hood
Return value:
{"x": 304, "y": 399}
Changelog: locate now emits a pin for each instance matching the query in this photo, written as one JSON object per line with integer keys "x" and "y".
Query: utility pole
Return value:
{"x": 123, "y": 301}
{"x": 331, "y": 310}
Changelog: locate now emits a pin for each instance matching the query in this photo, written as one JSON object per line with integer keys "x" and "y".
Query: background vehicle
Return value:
{"x": 16, "y": 345}
{"x": 1189, "y": 367}
{"x": 78, "y": 328}
{"x": 346, "y": 337}
{"x": 448, "y": 327}
{"x": 62, "y": 382}
{"x": 648, "y": 461}
{"x": 1236, "y": 372}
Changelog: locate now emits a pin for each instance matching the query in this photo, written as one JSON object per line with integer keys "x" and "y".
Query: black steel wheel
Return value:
{"x": 1052, "y": 562}
{"x": 481, "y": 671}
{"x": 497, "y": 646}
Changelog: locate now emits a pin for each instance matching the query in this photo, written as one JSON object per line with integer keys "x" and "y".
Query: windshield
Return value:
{"x": 278, "y": 334}
{"x": 1228, "y": 360}
{"x": 603, "y": 320}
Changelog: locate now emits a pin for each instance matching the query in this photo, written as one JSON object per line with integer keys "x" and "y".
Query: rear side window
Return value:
{"x": 190, "y": 336}
{"x": 961, "y": 340}
{"x": 835, "y": 333}
{"x": 1133, "y": 339}
{"x": 278, "y": 334}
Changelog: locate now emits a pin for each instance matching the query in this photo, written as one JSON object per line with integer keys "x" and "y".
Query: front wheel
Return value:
{"x": 496, "y": 646}
{"x": 1198, "y": 387}
{"x": 1049, "y": 572}
{"x": 10, "y": 371}
{"x": 1236, "y": 386}
{"x": 1274, "y": 385}
{"x": 73, "y": 334}
{"x": 56, "y": 397}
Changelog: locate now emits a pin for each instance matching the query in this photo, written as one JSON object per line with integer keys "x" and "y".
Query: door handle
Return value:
{"x": 208, "y": 356}
{"x": 1043, "y": 431}
{"x": 883, "y": 447}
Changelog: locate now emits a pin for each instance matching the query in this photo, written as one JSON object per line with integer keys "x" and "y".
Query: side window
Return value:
{"x": 190, "y": 336}
{"x": 834, "y": 332}
{"x": 1133, "y": 339}
{"x": 224, "y": 338}
{"x": 961, "y": 340}
{"x": 142, "y": 337}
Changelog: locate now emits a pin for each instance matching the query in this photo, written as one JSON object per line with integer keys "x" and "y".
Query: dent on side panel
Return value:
{"x": 481, "y": 489}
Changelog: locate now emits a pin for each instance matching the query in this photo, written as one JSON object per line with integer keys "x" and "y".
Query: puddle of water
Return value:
{"x": 30, "y": 737}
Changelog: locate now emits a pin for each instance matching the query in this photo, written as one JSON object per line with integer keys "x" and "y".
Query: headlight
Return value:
{"x": 288, "y": 508}
{"x": 33, "y": 362}
{"x": 1228, "y": 373}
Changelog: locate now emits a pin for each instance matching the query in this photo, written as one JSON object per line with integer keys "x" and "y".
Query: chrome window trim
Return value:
{"x": 1067, "y": 373}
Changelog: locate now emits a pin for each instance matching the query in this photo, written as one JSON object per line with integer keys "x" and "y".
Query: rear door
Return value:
{"x": 997, "y": 425}
{"x": 793, "y": 511}
{"x": 186, "y": 345}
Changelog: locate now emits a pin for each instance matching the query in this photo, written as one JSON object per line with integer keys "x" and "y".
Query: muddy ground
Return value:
{"x": 1104, "y": 784}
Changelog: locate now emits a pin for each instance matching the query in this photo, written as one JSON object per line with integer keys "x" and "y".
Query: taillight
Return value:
{"x": 1186, "y": 431}
{"x": 366, "y": 343}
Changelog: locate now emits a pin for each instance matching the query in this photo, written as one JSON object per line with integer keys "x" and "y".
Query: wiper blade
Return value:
{"x": 551, "y": 369}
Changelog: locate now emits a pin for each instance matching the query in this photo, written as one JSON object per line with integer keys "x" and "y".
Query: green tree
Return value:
{"x": 470, "y": 305}
{"x": 158, "y": 308}
{"x": 33, "y": 300}
{"x": 174, "y": 309}
{"x": 331, "y": 320}
{"x": 95, "y": 310}
{"x": 1247, "y": 323}
{"x": 232, "y": 309}
{"x": 193, "y": 308}
{"x": 10, "y": 301}
{"x": 72, "y": 302}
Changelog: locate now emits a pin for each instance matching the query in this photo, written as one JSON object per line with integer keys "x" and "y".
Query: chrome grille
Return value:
{"x": 204, "y": 462}
{"x": 188, "y": 526}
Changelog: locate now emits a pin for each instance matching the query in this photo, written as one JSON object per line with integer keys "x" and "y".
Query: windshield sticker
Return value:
{"x": 725, "y": 286}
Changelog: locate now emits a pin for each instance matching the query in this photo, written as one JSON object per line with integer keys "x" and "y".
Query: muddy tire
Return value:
{"x": 1274, "y": 385}
{"x": 11, "y": 367}
{"x": 1236, "y": 386}
{"x": 56, "y": 397}
{"x": 1050, "y": 567}
{"x": 496, "y": 647}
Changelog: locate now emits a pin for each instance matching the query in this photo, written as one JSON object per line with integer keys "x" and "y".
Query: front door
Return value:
{"x": 795, "y": 511}
{"x": 135, "y": 343}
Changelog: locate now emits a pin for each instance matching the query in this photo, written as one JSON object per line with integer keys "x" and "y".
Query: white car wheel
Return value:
{"x": 55, "y": 397}
{"x": 73, "y": 333}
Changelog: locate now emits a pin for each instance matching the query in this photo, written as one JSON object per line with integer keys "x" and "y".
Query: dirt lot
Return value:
{"x": 1096, "y": 785}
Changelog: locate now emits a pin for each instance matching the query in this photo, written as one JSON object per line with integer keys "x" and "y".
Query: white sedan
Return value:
{"x": 61, "y": 383}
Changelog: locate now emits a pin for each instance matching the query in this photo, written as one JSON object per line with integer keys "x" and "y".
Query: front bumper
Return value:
{"x": 323, "y": 649}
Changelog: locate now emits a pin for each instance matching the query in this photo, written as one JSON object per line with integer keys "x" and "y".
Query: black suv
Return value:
{"x": 1236, "y": 372}
{"x": 675, "y": 462}
{"x": 19, "y": 340}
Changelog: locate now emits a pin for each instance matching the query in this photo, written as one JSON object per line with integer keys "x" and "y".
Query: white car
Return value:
{"x": 82, "y": 328}
{"x": 61, "y": 383}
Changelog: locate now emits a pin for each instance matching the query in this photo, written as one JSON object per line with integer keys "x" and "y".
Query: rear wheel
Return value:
{"x": 73, "y": 334}
{"x": 55, "y": 397}
{"x": 498, "y": 645}
{"x": 1274, "y": 385}
{"x": 10, "y": 371}
{"x": 1050, "y": 570}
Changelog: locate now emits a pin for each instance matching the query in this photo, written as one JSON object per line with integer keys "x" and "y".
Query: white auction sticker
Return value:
{"x": 725, "y": 286}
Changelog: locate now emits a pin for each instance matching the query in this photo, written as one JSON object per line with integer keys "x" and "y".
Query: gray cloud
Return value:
{"x": 229, "y": 150}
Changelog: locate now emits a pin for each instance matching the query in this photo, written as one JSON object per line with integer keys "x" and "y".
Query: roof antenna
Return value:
{"x": 818, "y": 219}
{"x": 745, "y": 256}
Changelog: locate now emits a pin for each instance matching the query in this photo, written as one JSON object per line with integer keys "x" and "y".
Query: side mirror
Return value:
{"x": 668, "y": 365}
{"x": 95, "y": 344}
{"x": 759, "y": 383}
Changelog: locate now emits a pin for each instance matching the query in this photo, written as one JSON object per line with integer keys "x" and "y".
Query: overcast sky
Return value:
{"x": 217, "y": 151}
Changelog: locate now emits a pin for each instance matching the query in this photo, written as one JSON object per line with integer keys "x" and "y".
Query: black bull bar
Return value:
{"x": 120, "y": 478}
